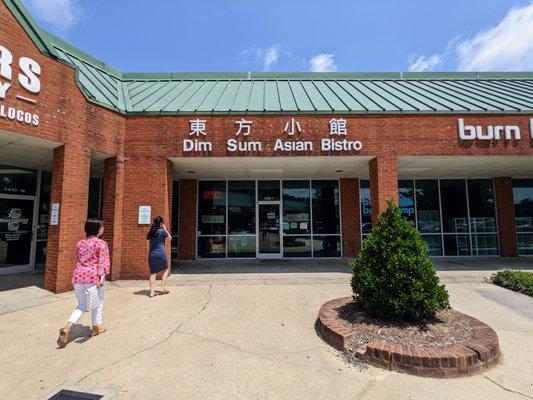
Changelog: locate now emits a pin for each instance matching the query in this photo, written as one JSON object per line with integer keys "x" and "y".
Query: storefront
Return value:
{"x": 251, "y": 165}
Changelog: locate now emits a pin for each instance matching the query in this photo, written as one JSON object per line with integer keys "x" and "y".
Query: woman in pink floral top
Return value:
{"x": 92, "y": 266}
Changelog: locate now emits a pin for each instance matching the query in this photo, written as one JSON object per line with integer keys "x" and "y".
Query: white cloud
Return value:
{"x": 59, "y": 14}
{"x": 506, "y": 46}
{"x": 269, "y": 56}
{"x": 425, "y": 63}
{"x": 324, "y": 62}
{"x": 266, "y": 57}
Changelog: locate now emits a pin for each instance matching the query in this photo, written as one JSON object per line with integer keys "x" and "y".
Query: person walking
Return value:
{"x": 157, "y": 256}
{"x": 92, "y": 266}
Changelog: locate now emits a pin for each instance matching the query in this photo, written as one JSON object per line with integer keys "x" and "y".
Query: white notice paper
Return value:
{"x": 145, "y": 215}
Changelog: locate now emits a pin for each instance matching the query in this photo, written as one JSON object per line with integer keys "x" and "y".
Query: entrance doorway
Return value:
{"x": 16, "y": 234}
{"x": 269, "y": 243}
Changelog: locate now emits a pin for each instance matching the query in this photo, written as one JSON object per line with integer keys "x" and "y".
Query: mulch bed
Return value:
{"x": 446, "y": 329}
{"x": 451, "y": 345}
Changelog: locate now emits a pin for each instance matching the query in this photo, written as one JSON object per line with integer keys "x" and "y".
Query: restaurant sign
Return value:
{"x": 335, "y": 140}
{"x": 491, "y": 132}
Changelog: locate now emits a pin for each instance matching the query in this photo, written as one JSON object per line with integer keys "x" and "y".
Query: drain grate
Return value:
{"x": 72, "y": 395}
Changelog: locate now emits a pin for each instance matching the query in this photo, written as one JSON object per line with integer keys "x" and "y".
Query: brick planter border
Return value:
{"x": 464, "y": 358}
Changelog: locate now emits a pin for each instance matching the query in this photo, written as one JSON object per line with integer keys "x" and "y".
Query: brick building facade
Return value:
{"x": 401, "y": 137}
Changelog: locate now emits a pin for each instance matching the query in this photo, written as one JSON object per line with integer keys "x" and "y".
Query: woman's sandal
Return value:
{"x": 97, "y": 331}
{"x": 62, "y": 340}
{"x": 152, "y": 295}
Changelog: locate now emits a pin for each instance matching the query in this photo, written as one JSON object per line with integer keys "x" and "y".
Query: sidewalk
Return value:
{"x": 241, "y": 337}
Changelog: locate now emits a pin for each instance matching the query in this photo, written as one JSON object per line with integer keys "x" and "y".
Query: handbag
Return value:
{"x": 92, "y": 300}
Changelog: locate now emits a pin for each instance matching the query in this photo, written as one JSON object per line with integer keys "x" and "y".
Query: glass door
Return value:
{"x": 269, "y": 243}
{"x": 16, "y": 234}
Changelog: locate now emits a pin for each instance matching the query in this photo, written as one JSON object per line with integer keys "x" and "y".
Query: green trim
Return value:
{"x": 286, "y": 93}
{"x": 30, "y": 26}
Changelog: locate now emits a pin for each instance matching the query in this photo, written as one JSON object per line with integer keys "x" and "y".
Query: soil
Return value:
{"x": 446, "y": 329}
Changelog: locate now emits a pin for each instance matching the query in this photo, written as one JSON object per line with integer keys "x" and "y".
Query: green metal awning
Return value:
{"x": 289, "y": 93}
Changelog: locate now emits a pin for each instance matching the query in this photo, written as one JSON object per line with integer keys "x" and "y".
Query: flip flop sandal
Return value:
{"x": 152, "y": 295}
{"x": 98, "y": 332}
{"x": 62, "y": 340}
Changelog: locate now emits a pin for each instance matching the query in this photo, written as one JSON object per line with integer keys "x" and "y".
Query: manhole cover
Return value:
{"x": 72, "y": 395}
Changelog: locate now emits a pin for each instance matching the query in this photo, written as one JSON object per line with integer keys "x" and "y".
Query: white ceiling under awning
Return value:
{"x": 465, "y": 167}
{"x": 271, "y": 167}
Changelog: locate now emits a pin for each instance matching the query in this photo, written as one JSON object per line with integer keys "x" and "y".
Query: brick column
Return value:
{"x": 147, "y": 181}
{"x": 70, "y": 188}
{"x": 503, "y": 188}
{"x": 113, "y": 196}
{"x": 383, "y": 173}
{"x": 187, "y": 222}
{"x": 350, "y": 217}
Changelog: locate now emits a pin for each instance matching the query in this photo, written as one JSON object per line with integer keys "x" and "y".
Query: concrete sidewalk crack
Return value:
{"x": 170, "y": 335}
{"x": 506, "y": 389}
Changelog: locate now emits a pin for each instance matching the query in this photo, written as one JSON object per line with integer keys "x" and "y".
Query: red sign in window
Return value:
{"x": 212, "y": 194}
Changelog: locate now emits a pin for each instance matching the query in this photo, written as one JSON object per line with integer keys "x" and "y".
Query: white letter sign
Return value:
{"x": 145, "y": 215}
{"x": 54, "y": 214}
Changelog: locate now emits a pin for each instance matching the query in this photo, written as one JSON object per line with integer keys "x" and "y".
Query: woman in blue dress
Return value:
{"x": 157, "y": 255}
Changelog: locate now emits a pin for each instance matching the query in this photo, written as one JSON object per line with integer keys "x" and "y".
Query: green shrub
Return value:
{"x": 519, "y": 281}
{"x": 393, "y": 276}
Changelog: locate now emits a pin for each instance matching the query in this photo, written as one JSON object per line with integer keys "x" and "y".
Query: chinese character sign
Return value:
{"x": 338, "y": 127}
{"x": 244, "y": 127}
{"x": 292, "y": 127}
{"x": 198, "y": 127}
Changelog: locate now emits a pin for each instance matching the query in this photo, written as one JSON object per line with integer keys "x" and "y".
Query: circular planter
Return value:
{"x": 465, "y": 358}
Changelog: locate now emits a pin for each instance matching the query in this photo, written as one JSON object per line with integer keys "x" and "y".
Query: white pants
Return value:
{"x": 80, "y": 309}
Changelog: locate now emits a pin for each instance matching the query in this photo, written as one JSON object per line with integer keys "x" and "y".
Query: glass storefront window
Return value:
{"x": 366, "y": 208}
{"x": 212, "y": 247}
{"x": 44, "y": 205}
{"x": 485, "y": 245}
{"x": 241, "y": 207}
{"x": 212, "y": 208}
{"x": 17, "y": 181}
{"x": 241, "y": 246}
{"x": 434, "y": 243}
{"x": 296, "y": 246}
{"x": 326, "y": 214}
{"x": 296, "y": 207}
{"x": 326, "y": 246}
{"x": 482, "y": 210}
{"x": 456, "y": 245}
{"x": 268, "y": 190}
{"x": 454, "y": 208}
{"x": 427, "y": 204}
{"x": 406, "y": 199}
{"x": 523, "y": 205}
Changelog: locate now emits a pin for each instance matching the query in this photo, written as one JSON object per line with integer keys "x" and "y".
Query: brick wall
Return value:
{"x": 503, "y": 188}
{"x": 350, "y": 217}
{"x": 383, "y": 172}
{"x": 187, "y": 219}
{"x": 139, "y": 172}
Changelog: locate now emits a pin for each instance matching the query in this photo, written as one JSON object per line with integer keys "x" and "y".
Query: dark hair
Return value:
{"x": 156, "y": 225}
{"x": 92, "y": 227}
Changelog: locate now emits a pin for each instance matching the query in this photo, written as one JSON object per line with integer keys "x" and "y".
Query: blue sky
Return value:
{"x": 296, "y": 35}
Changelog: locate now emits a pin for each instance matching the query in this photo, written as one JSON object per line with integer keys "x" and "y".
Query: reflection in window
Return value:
{"x": 454, "y": 209}
{"x": 212, "y": 247}
{"x": 456, "y": 245}
{"x": 212, "y": 208}
{"x": 268, "y": 190}
{"x": 17, "y": 181}
{"x": 434, "y": 243}
{"x": 296, "y": 246}
{"x": 326, "y": 246}
{"x": 241, "y": 207}
{"x": 326, "y": 217}
{"x": 296, "y": 207}
{"x": 523, "y": 204}
{"x": 366, "y": 209}
{"x": 427, "y": 204}
{"x": 482, "y": 210}
{"x": 406, "y": 199}
{"x": 241, "y": 246}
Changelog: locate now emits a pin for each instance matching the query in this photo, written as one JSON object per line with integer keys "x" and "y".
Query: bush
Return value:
{"x": 393, "y": 276}
{"x": 518, "y": 281}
